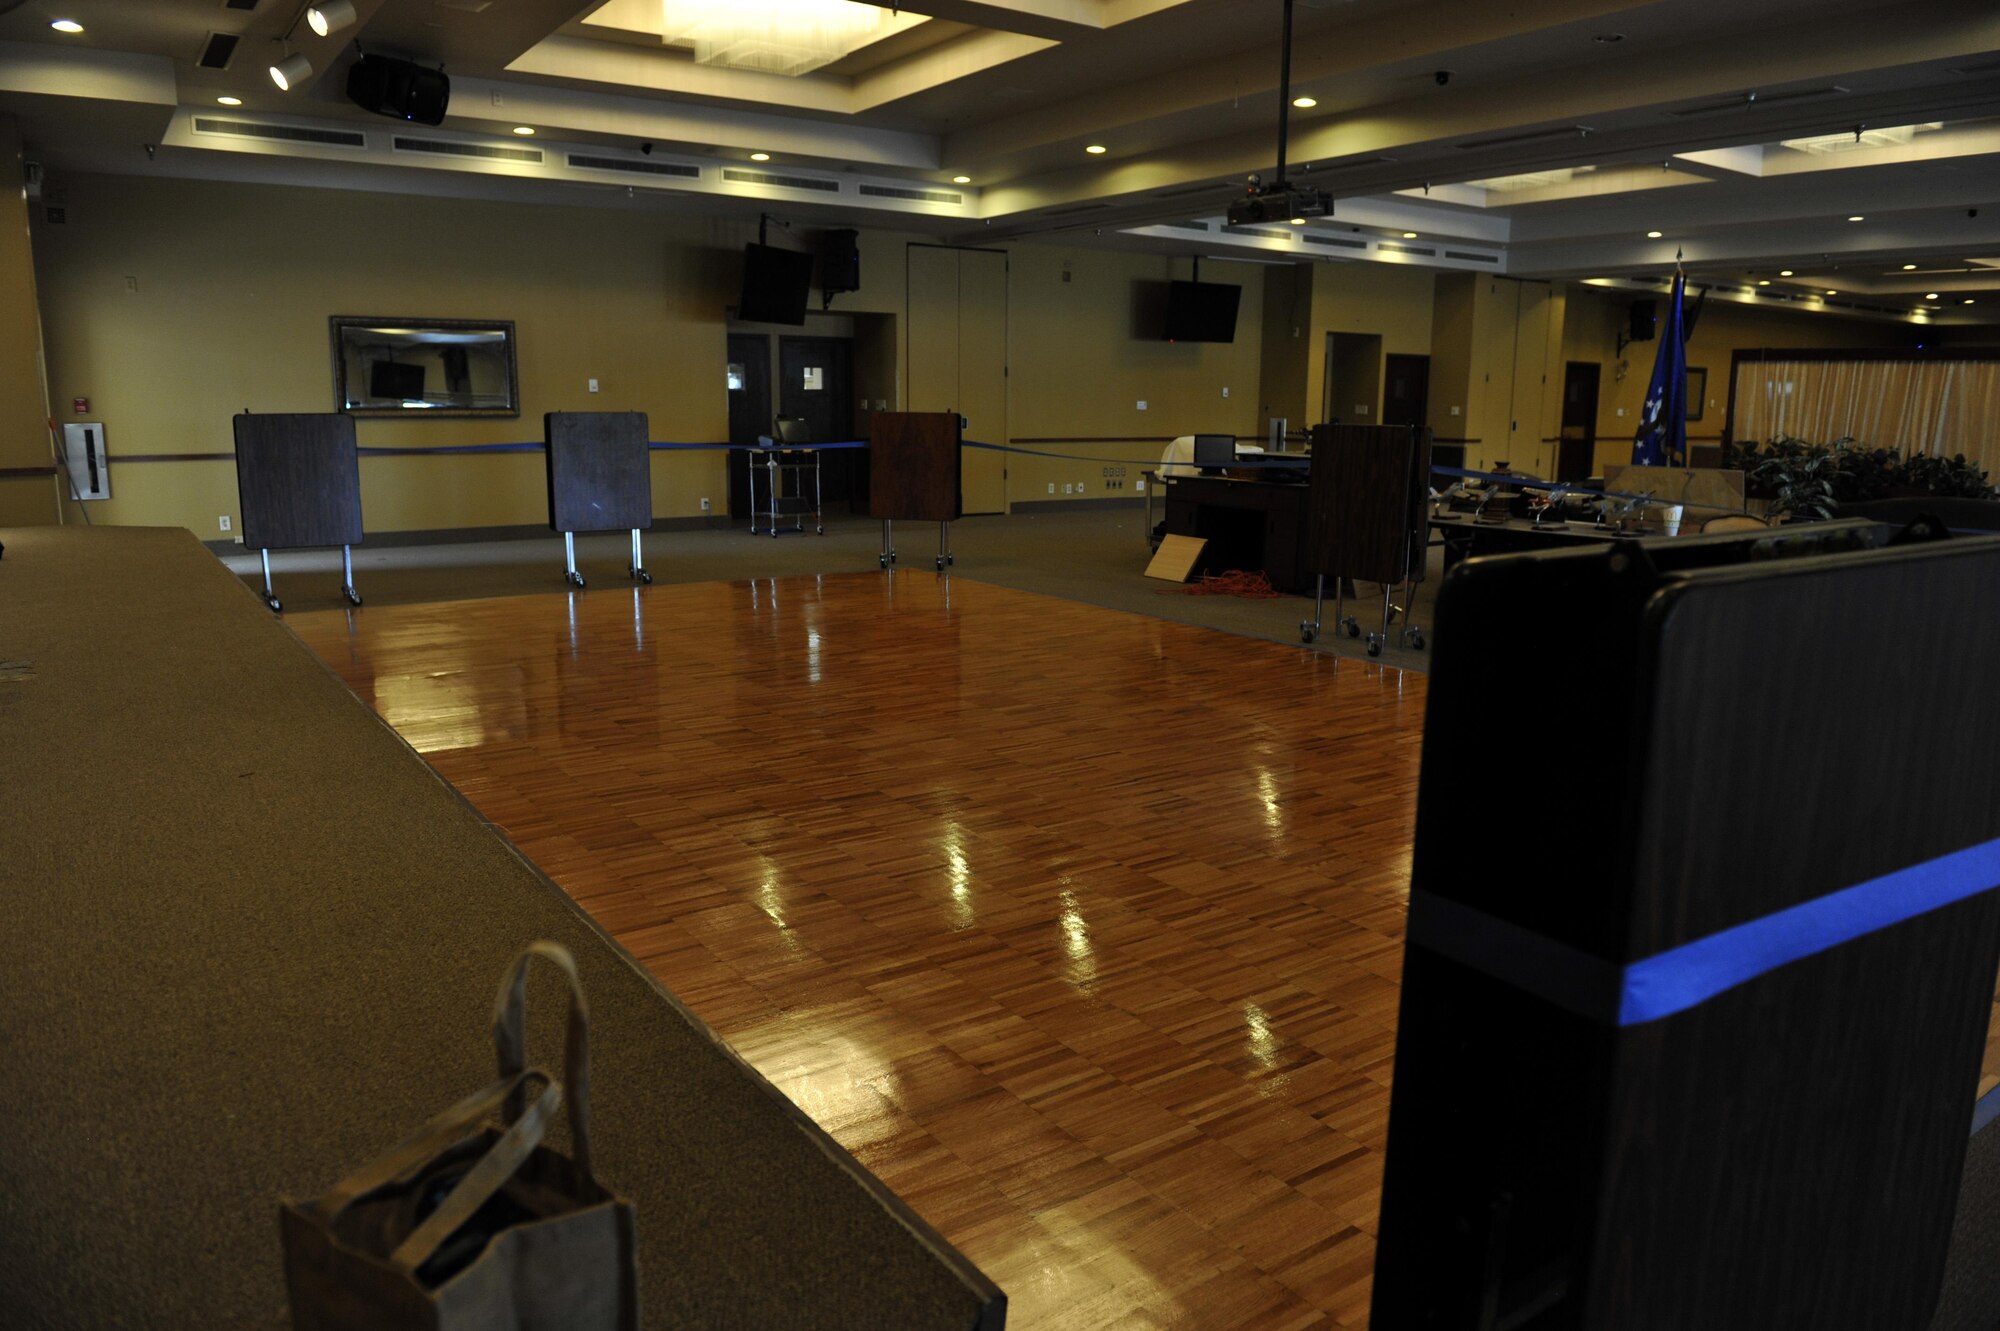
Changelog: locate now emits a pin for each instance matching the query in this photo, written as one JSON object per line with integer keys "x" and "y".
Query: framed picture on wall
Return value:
{"x": 1697, "y": 391}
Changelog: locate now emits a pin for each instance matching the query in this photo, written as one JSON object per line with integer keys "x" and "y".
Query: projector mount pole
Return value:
{"x": 1284, "y": 94}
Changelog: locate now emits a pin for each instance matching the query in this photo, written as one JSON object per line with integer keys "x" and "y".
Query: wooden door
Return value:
{"x": 1579, "y": 421}
{"x": 816, "y": 384}
{"x": 749, "y": 409}
{"x": 1405, "y": 390}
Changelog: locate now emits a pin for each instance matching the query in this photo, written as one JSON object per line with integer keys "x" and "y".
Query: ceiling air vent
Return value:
{"x": 1422, "y": 251}
{"x": 220, "y": 49}
{"x": 1264, "y": 232}
{"x": 1751, "y": 101}
{"x": 1531, "y": 136}
{"x": 452, "y": 148}
{"x": 920, "y": 195}
{"x": 250, "y": 129}
{"x": 1331, "y": 242}
{"x": 743, "y": 177}
{"x": 1186, "y": 226}
{"x": 1182, "y": 191}
{"x": 245, "y": 5}
{"x": 595, "y": 163}
{"x": 1471, "y": 256}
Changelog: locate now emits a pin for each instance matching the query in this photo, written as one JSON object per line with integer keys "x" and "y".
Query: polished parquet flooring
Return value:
{"x": 1080, "y": 929}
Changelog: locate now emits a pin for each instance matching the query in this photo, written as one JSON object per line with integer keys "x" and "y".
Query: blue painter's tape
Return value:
{"x": 1689, "y": 975}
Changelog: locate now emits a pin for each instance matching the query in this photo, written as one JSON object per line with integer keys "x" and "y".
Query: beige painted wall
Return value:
{"x": 1595, "y": 317}
{"x": 1286, "y": 343}
{"x": 24, "y": 430}
{"x": 1078, "y": 372}
{"x": 1389, "y": 300}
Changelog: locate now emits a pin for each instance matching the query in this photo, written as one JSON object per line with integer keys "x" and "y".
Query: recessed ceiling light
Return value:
{"x": 1833, "y": 293}
{"x": 1305, "y": 103}
{"x": 524, "y": 130}
{"x": 1784, "y": 272}
{"x": 229, "y": 101}
{"x": 1968, "y": 300}
{"x": 1409, "y": 235}
{"x": 1298, "y": 221}
{"x": 760, "y": 157}
{"x": 1930, "y": 295}
{"x": 1764, "y": 282}
{"x": 1857, "y": 218}
{"x": 961, "y": 180}
{"x": 1094, "y": 148}
{"x": 1652, "y": 235}
{"x": 66, "y": 25}
{"x": 1609, "y": 37}
{"x": 1909, "y": 268}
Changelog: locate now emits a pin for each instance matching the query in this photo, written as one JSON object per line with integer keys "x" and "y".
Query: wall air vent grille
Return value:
{"x": 920, "y": 195}
{"x": 1471, "y": 256}
{"x": 453, "y": 148}
{"x": 595, "y": 163}
{"x": 1752, "y": 102}
{"x": 1518, "y": 140}
{"x": 742, "y": 177}
{"x": 217, "y": 52}
{"x": 250, "y": 129}
{"x": 1392, "y": 247}
{"x": 1331, "y": 242}
{"x": 1266, "y": 233}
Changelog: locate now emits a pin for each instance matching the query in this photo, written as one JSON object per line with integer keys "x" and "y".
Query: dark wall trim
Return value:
{"x": 24, "y": 473}
{"x": 1071, "y": 505}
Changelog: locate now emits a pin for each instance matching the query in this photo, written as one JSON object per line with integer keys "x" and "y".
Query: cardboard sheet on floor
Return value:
{"x": 1174, "y": 561}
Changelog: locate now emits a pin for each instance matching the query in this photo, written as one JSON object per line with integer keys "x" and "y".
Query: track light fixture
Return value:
{"x": 327, "y": 17}
{"x": 290, "y": 72}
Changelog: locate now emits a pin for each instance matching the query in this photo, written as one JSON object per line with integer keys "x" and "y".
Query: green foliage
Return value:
{"x": 1808, "y": 480}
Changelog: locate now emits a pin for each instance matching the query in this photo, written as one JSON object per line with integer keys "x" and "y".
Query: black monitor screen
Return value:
{"x": 1215, "y": 450}
{"x": 775, "y": 285}
{"x": 402, "y": 383}
{"x": 1202, "y": 311}
{"x": 792, "y": 430}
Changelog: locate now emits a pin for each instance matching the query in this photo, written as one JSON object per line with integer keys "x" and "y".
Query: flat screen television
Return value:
{"x": 1202, "y": 311}
{"x": 775, "y": 285}
{"x": 1214, "y": 450}
{"x": 395, "y": 382}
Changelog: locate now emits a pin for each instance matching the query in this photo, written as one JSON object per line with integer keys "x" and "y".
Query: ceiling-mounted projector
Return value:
{"x": 1279, "y": 202}
{"x": 399, "y": 89}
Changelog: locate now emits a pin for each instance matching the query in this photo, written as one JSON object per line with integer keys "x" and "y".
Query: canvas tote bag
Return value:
{"x": 469, "y": 1223}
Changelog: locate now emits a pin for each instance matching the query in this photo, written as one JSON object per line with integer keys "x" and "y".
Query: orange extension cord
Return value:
{"x": 1249, "y": 586}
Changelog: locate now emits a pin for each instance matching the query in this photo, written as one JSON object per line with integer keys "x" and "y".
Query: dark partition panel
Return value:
{"x": 600, "y": 470}
{"x": 1368, "y": 503}
{"x": 1595, "y": 1130}
{"x": 297, "y": 480}
{"x": 914, "y": 474}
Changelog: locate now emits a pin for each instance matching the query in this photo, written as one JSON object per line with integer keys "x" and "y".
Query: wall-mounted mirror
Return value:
{"x": 437, "y": 367}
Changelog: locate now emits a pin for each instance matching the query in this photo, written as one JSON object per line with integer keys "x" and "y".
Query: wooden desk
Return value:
{"x": 1247, "y": 524}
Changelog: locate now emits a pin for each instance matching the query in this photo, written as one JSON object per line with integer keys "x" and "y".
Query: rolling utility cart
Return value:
{"x": 600, "y": 479}
{"x": 1368, "y": 518}
{"x": 914, "y": 475}
{"x": 298, "y": 483}
{"x": 787, "y": 474}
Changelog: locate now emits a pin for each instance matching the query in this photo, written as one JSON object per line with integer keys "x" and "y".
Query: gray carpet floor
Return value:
{"x": 1096, "y": 556}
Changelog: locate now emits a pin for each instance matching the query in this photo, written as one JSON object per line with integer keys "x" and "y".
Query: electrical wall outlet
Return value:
{"x": 1225, "y": 391}
{"x": 1621, "y": 411}
{"x": 1140, "y": 487}
{"x": 704, "y": 504}
{"x": 222, "y": 523}
{"x": 1052, "y": 487}
{"x": 593, "y": 385}
{"x": 1066, "y": 489}
{"x": 1142, "y": 404}
{"x": 1454, "y": 411}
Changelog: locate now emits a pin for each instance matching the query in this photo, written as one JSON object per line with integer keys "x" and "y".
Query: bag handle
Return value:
{"x": 510, "y": 1041}
{"x": 453, "y": 1125}
{"x": 480, "y": 1182}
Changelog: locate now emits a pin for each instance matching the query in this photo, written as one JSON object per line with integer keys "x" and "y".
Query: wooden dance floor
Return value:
{"x": 1082, "y": 930}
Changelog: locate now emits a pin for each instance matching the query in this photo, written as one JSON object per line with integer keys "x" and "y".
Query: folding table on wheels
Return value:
{"x": 1368, "y": 519}
{"x": 298, "y": 484}
{"x": 914, "y": 475}
{"x": 600, "y": 479}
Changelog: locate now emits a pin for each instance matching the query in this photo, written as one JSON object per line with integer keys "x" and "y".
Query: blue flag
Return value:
{"x": 1663, "y": 428}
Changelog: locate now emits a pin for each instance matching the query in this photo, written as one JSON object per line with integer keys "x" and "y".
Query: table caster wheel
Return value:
{"x": 940, "y": 563}
{"x": 1416, "y": 640}
{"x": 643, "y": 576}
{"x": 353, "y": 597}
{"x": 573, "y": 579}
{"x": 277, "y": 606}
{"x": 1307, "y": 633}
{"x": 892, "y": 556}
{"x": 1353, "y": 629}
{"x": 951, "y": 559}
{"x": 1374, "y": 644}
{"x": 819, "y": 531}
{"x": 881, "y": 561}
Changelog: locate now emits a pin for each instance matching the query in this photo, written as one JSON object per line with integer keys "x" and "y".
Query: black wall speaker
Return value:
{"x": 399, "y": 89}
{"x": 1644, "y": 316}
{"x": 840, "y": 261}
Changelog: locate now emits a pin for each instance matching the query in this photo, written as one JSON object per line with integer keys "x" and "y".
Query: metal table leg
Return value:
{"x": 944, "y": 545}
{"x": 1309, "y": 629}
{"x": 638, "y": 569}
{"x": 819, "y": 510}
{"x": 270, "y": 596}
{"x": 888, "y": 555}
{"x": 347, "y": 575}
{"x": 571, "y": 576}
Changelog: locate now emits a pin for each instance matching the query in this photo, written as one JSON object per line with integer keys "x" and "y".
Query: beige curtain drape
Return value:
{"x": 1935, "y": 407}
